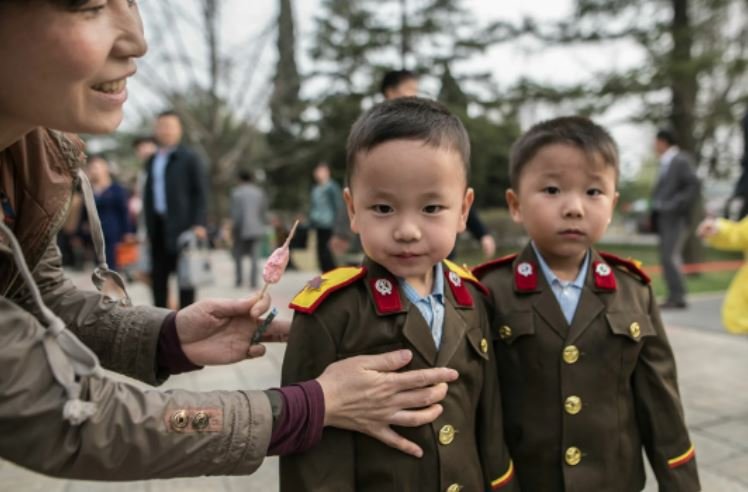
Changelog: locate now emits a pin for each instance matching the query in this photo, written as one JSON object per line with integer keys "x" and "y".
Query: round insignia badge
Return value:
{"x": 524, "y": 269}
{"x": 383, "y": 286}
{"x": 455, "y": 279}
{"x": 602, "y": 269}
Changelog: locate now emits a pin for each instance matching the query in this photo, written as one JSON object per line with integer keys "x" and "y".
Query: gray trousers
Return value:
{"x": 247, "y": 247}
{"x": 673, "y": 229}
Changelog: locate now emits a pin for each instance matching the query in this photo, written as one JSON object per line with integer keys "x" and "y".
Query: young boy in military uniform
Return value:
{"x": 586, "y": 369}
{"x": 407, "y": 198}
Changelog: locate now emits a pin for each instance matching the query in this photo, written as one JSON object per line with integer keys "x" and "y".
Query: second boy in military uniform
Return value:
{"x": 407, "y": 198}
{"x": 587, "y": 373}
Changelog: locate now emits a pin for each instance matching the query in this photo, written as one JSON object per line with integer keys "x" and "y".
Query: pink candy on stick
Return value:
{"x": 277, "y": 263}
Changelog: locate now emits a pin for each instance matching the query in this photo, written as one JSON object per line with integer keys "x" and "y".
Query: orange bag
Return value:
{"x": 127, "y": 254}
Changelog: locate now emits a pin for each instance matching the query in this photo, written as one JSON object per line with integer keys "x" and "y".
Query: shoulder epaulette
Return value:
{"x": 631, "y": 266}
{"x": 486, "y": 267}
{"x": 316, "y": 290}
{"x": 465, "y": 274}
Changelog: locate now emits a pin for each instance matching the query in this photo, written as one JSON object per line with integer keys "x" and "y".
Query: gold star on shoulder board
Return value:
{"x": 315, "y": 283}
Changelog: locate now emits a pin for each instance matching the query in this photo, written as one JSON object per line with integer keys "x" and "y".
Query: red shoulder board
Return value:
{"x": 629, "y": 265}
{"x": 317, "y": 289}
{"x": 484, "y": 268}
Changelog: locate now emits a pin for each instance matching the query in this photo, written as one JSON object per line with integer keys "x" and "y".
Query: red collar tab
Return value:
{"x": 605, "y": 279}
{"x": 526, "y": 276}
{"x": 386, "y": 294}
{"x": 484, "y": 268}
{"x": 459, "y": 288}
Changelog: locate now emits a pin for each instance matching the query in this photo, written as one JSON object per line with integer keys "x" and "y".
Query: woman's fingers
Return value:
{"x": 395, "y": 440}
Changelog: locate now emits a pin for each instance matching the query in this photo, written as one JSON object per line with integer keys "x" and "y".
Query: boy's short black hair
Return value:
{"x": 245, "y": 176}
{"x": 407, "y": 118}
{"x": 393, "y": 78}
{"x": 577, "y": 131}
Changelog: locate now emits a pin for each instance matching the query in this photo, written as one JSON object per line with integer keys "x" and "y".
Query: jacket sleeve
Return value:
{"x": 731, "y": 236}
{"x": 660, "y": 413}
{"x": 329, "y": 466}
{"x": 124, "y": 338}
{"x": 133, "y": 434}
{"x": 498, "y": 469}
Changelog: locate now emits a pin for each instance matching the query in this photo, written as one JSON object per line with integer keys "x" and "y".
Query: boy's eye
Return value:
{"x": 594, "y": 192}
{"x": 551, "y": 190}
{"x": 432, "y": 209}
{"x": 381, "y": 209}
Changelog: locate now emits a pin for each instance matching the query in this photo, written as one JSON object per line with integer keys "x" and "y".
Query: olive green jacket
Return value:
{"x": 367, "y": 313}
{"x": 581, "y": 402}
{"x": 132, "y": 434}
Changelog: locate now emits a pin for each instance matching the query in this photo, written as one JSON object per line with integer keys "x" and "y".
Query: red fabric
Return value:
{"x": 387, "y": 301}
{"x": 301, "y": 421}
{"x": 605, "y": 279}
{"x": 170, "y": 357}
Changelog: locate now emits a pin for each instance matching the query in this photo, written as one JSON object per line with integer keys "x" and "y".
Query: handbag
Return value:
{"x": 194, "y": 268}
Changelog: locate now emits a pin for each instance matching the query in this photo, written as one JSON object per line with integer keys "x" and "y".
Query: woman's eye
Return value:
{"x": 432, "y": 209}
{"x": 381, "y": 209}
{"x": 551, "y": 190}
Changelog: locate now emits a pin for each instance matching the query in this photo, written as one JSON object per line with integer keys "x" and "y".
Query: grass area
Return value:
{"x": 704, "y": 282}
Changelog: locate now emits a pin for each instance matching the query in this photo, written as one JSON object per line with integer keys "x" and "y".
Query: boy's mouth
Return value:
{"x": 572, "y": 233}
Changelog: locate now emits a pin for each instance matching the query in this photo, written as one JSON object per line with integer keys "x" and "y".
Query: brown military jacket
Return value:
{"x": 362, "y": 311}
{"x": 581, "y": 401}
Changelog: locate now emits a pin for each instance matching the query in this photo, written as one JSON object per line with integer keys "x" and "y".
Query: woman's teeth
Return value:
{"x": 110, "y": 87}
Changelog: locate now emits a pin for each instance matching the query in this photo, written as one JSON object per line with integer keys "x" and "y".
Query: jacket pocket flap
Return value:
{"x": 514, "y": 325}
{"x": 634, "y": 326}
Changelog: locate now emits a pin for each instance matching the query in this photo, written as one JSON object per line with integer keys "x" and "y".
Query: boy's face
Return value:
{"x": 408, "y": 201}
{"x": 564, "y": 201}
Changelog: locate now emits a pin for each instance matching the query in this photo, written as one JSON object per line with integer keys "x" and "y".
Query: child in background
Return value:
{"x": 731, "y": 236}
{"x": 586, "y": 370}
{"x": 407, "y": 198}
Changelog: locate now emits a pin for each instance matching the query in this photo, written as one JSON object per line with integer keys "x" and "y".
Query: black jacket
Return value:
{"x": 186, "y": 195}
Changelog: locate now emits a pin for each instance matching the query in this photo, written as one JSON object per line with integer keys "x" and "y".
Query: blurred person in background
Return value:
{"x": 326, "y": 206}
{"x": 174, "y": 201}
{"x": 112, "y": 205}
{"x": 249, "y": 208}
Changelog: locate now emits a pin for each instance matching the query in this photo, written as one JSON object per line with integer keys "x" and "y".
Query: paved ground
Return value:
{"x": 713, "y": 373}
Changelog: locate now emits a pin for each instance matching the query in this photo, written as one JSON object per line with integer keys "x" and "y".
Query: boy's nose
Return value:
{"x": 407, "y": 232}
{"x": 573, "y": 207}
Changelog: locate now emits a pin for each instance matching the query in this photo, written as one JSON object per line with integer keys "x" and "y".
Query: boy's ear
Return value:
{"x": 348, "y": 198}
{"x": 613, "y": 207}
{"x": 512, "y": 200}
{"x": 467, "y": 202}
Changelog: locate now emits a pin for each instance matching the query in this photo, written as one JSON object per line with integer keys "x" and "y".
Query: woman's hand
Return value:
{"x": 364, "y": 394}
{"x": 219, "y": 331}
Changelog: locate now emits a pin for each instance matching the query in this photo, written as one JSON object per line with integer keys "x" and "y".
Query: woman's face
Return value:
{"x": 66, "y": 67}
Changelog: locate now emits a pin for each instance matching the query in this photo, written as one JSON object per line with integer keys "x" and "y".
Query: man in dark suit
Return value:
{"x": 174, "y": 201}
{"x": 676, "y": 187}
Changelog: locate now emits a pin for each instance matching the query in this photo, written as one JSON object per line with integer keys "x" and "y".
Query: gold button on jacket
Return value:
{"x": 505, "y": 332}
{"x": 573, "y": 405}
{"x": 484, "y": 345}
{"x": 571, "y": 354}
{"x": 573, "y": 456}
{"x": 455, "y": 487}
{"x": 635, "y": 330}
{"x": 446, "y": 434}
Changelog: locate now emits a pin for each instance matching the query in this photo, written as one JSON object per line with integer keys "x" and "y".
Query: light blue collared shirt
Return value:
{"x": 159, "y": 180}
{"x": 567, "y": 293}
{"x": 430, "y": 306}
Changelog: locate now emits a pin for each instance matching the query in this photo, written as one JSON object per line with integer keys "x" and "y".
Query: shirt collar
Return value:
{"x": 552, "y": 278}
{"x": 668, "y": 155}
{"x": 437, "y": 290}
